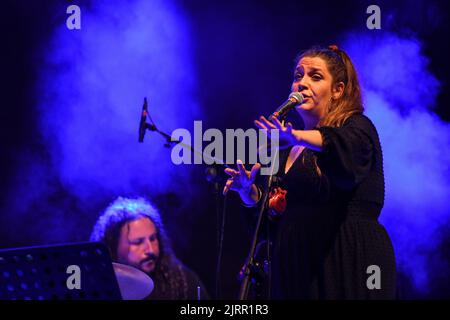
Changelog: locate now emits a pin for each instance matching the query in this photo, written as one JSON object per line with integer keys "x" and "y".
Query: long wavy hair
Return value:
{"x": 341, "y": 69}
{"x": 168, "y": 276}
{"x": 349, "y": 103}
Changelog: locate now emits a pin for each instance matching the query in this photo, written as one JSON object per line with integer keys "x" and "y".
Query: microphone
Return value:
{"x": 295, "y": 98}
{"x": 142, "y": 124}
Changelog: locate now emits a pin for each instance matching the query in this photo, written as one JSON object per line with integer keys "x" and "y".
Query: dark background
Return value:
{"x": 269, "y": 33}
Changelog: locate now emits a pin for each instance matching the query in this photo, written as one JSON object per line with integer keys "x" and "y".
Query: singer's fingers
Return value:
{"x": 230, "y": 171}
{"x": 241, "y": 168}
{"x": 267, "y": 123}
{"x": 289, "y": 126}
{"x": 263, "y": 127}
{"x": 264, "y": 130}
{"x": 227, "y": 186}
{"x": 277, "y": 123}
{"x": 254, "y": 171}
{"x": 260, "y": 125}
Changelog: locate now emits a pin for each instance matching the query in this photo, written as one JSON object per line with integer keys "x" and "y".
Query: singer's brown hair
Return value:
{"x": 342, "y": 70}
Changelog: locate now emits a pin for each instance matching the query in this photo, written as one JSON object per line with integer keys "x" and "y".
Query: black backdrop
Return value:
{"x": 268, "y": 31}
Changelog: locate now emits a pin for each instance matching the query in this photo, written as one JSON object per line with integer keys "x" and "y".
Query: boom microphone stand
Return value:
{"x": 214, "y": 175}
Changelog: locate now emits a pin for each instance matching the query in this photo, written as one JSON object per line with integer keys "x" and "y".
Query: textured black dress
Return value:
{"x": 329, "y": 234}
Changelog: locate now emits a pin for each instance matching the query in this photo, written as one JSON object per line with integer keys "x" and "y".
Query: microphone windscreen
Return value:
{"x": 297, "y": 96}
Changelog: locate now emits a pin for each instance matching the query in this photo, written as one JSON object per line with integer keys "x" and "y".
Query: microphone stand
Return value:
{"x": 251, "y": 267}
{"x": 213, "y": 176}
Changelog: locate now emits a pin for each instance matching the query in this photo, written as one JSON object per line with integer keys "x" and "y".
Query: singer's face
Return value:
{"x": 313, "y": 80}
{"x": 138, "y": 245}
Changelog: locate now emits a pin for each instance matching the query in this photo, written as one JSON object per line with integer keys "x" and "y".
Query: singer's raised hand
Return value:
{"x": 287, "y": 135}
{"x": 242, "y": 181}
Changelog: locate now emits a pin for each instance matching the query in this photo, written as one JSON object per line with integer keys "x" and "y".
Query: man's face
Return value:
{"x": 138, "y": 245}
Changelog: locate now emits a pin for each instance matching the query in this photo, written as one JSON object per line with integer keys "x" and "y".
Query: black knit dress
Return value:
{"x": 329, "y": 234}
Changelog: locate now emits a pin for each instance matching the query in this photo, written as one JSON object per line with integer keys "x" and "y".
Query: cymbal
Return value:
{"x": 133, "y": 283}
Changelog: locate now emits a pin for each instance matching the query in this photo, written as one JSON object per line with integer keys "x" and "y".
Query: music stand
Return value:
{"x": 42, "y": 273}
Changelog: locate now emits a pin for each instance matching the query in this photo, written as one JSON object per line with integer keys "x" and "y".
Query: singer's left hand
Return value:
{"x": 287, "y": 135}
